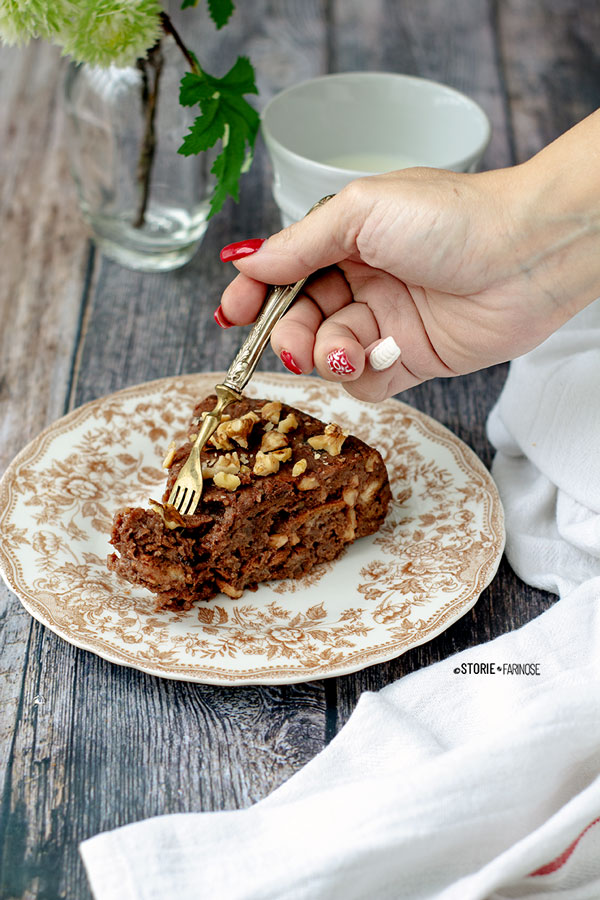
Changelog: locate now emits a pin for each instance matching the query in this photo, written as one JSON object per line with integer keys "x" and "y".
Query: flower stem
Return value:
{"x": 169, "y": 28}
{"x": 151, "y": 69}
{"x": 150, "y": 85}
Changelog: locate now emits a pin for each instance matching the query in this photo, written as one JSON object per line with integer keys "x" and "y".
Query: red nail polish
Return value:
{"x": 242, "y": 248}
{"x": 289, "y": 362}
{"x": 221, "y": 319}
{"x": 339, "y": 363}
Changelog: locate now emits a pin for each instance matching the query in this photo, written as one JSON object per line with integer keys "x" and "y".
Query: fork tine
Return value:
{"x": 190, "y": 507}
{"x": 187, "y": 489}
{"x": 184, "y": 499}
{"x": 173, "y": 496}
{"x": 178, "y": 497}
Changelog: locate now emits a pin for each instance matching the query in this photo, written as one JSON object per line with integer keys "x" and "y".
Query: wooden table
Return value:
{"x": 86, "y": 745}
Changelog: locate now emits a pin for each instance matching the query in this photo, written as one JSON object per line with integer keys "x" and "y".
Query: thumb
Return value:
{"x": 322, "y": 238}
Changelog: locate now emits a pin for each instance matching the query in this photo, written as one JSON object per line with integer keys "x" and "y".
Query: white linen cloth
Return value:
{"x": 443, "y": 785}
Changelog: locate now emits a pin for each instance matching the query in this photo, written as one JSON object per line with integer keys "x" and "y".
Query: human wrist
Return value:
{"x": 559, "y": 217}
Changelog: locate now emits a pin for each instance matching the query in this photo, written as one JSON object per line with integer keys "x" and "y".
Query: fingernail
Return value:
{"x": 240, "y": 249}
{"x": 339, "y": 363}
{"x": 289, "y": 362}
{"x": 384, "y": 354}
{"x": 221, "y": 319}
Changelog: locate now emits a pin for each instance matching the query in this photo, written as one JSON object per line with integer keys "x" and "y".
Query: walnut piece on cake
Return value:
{"x": 283, "y": 492}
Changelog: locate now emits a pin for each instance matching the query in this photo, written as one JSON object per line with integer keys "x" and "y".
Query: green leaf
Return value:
{"x": 187, "y": 3}
{"x": 227, "y": 168}
{"x": 220, "y": 11}
{"x": 240, "y": 78}
{"x": 240, "y": 107}
{"x": 225, "y": 116}
{"x": 194, "y": 89}
{"x": 205, "y": 132}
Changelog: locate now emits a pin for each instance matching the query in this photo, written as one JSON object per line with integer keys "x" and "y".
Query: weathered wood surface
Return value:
{"x": 86, "y": 745}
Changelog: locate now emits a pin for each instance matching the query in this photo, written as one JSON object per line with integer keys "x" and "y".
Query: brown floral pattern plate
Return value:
{"x": 438, "y": 548}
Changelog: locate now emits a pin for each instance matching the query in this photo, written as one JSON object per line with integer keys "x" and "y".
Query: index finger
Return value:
{"x": 242, "y": 299}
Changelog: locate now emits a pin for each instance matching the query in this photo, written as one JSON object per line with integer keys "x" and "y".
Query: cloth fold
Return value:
{"x": 546, "y": 428}
{"x": 462, "y": 781}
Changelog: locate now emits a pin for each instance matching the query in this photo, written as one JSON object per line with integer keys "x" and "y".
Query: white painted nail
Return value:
{"x": 384, "y": 354}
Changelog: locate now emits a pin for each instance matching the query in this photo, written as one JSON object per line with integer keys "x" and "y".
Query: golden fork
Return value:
{"x": 187, "y": 490}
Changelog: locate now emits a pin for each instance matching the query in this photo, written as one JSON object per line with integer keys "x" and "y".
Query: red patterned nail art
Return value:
{"x": 240, "y": 249}
{"x": 221, "y": 319}
{"x": 289, "y": 362}
{"x": 339, "y": 363}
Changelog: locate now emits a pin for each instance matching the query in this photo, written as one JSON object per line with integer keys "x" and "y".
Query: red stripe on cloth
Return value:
{"x": 561, "y": 860}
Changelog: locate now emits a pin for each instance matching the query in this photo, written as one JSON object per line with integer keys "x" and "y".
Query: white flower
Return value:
{"x": 21, "y": 20}
{"x": 100, "y": 32}
{"x": 112, "y": 31}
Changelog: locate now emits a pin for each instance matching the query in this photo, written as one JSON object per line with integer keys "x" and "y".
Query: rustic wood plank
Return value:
{"x": 95, "y": 745}
{"x": 98, "y": 746}
{"x": 44, "y": 249}
{"x": 44, "y": 259}
{"x": 555, "y": 81}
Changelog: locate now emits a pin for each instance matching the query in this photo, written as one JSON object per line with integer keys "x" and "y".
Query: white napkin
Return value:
{"x": 449, "y": 783}
{"x": 546, "y": 427}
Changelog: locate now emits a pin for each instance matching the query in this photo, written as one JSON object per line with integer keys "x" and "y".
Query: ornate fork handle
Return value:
{"x": 241, "y": 369}
{"x": 278, "y": 300}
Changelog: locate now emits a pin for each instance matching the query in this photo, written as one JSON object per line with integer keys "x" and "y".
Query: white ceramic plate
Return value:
{"x": 438, "y": 548}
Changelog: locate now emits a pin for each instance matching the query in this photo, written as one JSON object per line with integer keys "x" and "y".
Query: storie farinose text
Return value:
{"x": 492, "y": 668}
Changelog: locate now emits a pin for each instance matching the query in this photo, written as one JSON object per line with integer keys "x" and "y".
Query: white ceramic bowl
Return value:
{"x": 325, "y": 132}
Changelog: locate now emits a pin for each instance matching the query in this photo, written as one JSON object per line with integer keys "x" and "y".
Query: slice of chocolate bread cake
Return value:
{"x": 282, "y": 492}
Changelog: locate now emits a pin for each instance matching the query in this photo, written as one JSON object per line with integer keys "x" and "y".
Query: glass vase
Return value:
{"x": 147, "y": 205}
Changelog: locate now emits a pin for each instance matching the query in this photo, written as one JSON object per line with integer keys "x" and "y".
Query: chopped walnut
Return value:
{"x": 288, "y": 424}
{"x": 272, "y": 440}
{"x": 234, "y": 593}
{"x": 220, "y": 440}
{"x": 277, "y": 540}
{"x": 269, "y": 426}
{"x": 350, "y": 530}
{"x": 294, "y": 539}
{"x": 308, "y": 483}
{"x": 331, "y": 440}
{"x": 271, "y": 411}
{"x": 283, "y": 455}
{"x": 168, "y": 460}
{"x": 226, "y": 481}
{"x": 268, "y": 463}
{"x": 265, "y": 464}
{"x": 234, "y": 430}
{"x": 170, "y": 516}
{"x": 299, "y": 468}
{"x": 350, "y": 494}
{"x": 228, "y": 463}
{"x": 175, "y": 573}
{"x": 370, "y": 463}
{"x": 369, "y": 492}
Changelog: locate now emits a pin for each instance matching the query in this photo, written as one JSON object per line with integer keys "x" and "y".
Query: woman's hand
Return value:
{"x": 462, "y": 271}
